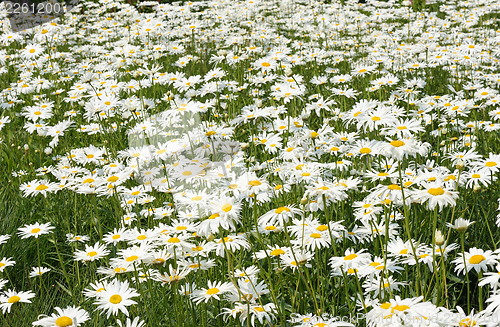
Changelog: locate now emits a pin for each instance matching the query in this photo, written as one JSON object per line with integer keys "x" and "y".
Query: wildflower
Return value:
{"x": 35, "y": 230}
{"x": 115, "y": 297}
{"x": 6, "y": 262}
{"x": 214, "y": 291}
{"x": 38, "y": 271}
{"x": 10, "y": 297}
{"x": 476, "y": 259}
{"x": 67, "y": 317}
{"x": 436, "y": 195}
{"x": 460, "y": 224}
{"x": 91, "y": 253}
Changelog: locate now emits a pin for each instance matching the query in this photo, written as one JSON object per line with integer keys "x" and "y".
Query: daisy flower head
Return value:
{"x": 32, "y": 51}
{"x": 67, "y": 317}
{"x": 252, "y": 312}
{"x": 71, "y": 238}
{"x": 460, "y": 224}
{"x": 36, "y": 187}
{"x": 296, "y": 258}
{"x": 476, "y": 259}
{"x": 11, "y": 297}
{"x": 6, "y": 262}
{"x": 4, "y": 238}
{"x": 214, "y": 291}
{"x": 116, "y": 296}
{"x": 91, "y": 253}
{"x": 34, "y": 230}
{"x": 436, "y": 195}
{"x": 38, "y": 271}
{"x": 351, "y": 259}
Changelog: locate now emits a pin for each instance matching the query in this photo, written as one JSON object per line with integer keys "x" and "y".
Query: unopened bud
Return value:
{"x": 288, "y": 71}
{"x": 48, "y": 150}
{"x": 245, "y": 146}
{"x": 476, "y": 188}
{"x": 303, "y": 201}
{"x": 26, "y": 147}
{"x": 460, "y": 164}
{"x": 439, "y": 238}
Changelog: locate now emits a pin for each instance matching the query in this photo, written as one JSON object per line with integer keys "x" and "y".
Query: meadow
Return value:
{"x": 252, "y": 163}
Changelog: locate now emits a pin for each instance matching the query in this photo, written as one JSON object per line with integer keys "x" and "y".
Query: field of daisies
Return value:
{"x": 252, "y": 163}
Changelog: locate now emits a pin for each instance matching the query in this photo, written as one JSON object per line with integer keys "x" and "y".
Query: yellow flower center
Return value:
{"x": 467, "y": 322}
{"x": 316, "y": 235}
{"x": 173, "y": 240}
{"x": 64, "y": 321}
{"x": 350, "y": 256}
{"x": 475, "y": 176}
{"x": 397, "y": 143}
{"x": 212, "y": 291}
{"x": 365, "y": 150}
{"x": 375, "y": 118}
{"x": 394, "y": 187}
{"x": 476, "y": 259}
{"x": 436, "y": 191}
{"x": 14, "y": 299}
{"x": 35, "y": 230}
{"x": 277, "y": 252}
{"x": 115, "y": 299}
{"x": 385, "y": 305}
{"x": 254, "y": 183}
{"x": 41, "y": 187}
{"x": 132, "y": 258}
{"x": 281, "y": 209}
{"x": 113, "y": 179}
{"x": 322, "y": 228}
{"x": 227, "y": 207}
{"x": 490, "y": 164}
{"x": 91, "y": 254}
{"x": 400, "y": 307}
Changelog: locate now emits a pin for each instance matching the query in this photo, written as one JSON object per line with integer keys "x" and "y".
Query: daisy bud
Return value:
{"x": 258, "y": 102}
{"x": 245, "y": 146}
{"x": 210, "y": 237}
{"x": 476, "y": 188}
{"x": 439, "y": 238}
{"x": 288, "y": 71}
{"x": 460, "y": 164}
{"x": 19, "y": 147}
{"x": 26, "y": 147}
{"x": 303, "y": 201}
{"x": 47, "y": 151}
